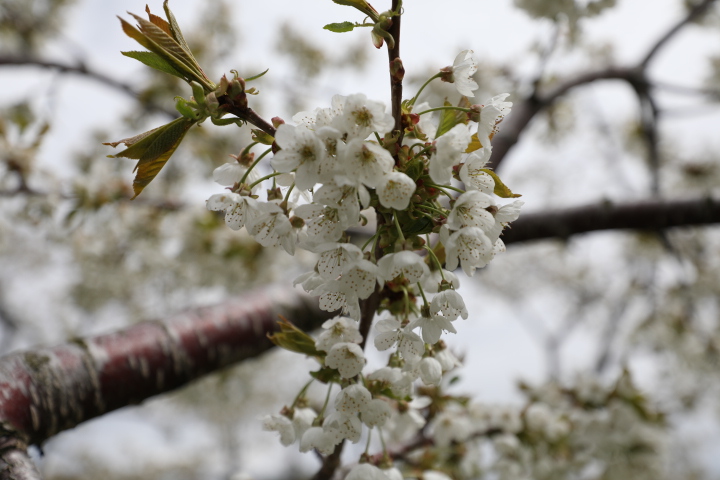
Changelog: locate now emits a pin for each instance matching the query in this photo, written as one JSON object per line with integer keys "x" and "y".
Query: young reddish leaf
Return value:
{"x": 156, "y": 40}
{"x": 152, "y": 149}
{"x": 164, "y": 41}
{"x": 501, "y": 190}
{"x": 159, "y": 21}
{"x": 136, "y": 35}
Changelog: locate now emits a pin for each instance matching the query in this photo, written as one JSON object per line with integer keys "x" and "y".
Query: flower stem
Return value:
{"x": 432, "y": 209}
{"x": 397, "y": 227}
{"x": 436, "y": 109}
{"x": 266, "y": 177}
{"x": 417, "y": 95}
{"x": 244, "y": 177}
{"x": 287, "y": 195}
{"x": 302, "y": 393}
{"x": 435, "y": 260}
{"x": 368, "y": 242}
{"x": 443, "y": 187}
{"x": 422, "y": 293}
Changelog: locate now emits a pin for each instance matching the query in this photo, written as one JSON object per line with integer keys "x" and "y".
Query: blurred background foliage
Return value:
{"x": 77, "y": 257}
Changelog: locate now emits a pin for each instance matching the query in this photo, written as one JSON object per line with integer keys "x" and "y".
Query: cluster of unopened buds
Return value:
{"x": 333, "y": 171}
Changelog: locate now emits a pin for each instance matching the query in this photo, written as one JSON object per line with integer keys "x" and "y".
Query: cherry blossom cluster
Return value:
{"x": 434, "y": 210}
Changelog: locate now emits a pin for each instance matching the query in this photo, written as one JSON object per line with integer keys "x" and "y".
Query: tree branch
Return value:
{"x": 693, "y": 14}
{"x": 525, "y": 110}
{"x": 651, "y": 215}
{"x": 82, "y": 69}
{"x": 15, "y": 463}
{"x": 47, "y": 390}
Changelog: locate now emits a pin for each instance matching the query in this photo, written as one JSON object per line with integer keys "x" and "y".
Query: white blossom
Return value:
{"x": 404, "y": 425}
{"x": 352, "y": 399}
{"x": 281, "y": 424}
{"x": 449, "y": 149}
{"x": 388, "y": 333}
{"x": 324, "y": 224}
{"x": 450, "y": 426}
{"x": 338, "y": 330}
{"x": 432, "y": 283}
{"x": 309, "y": 281}
{"x": 343, "y": 426}
{"x": 450, "y": 304}
{"x": 356, "y": 281}
{"x": 447, "y": 359}
{"x": 344, "y": 198}
{"x": 406, "y": 263}
{"x": 491, "y": 114}
{"x": 472, "y": 174}
{"x": 395, "y": 190}
{"x": 347, "y": 358}
{"x": 432, "y": 327}
{"x": 510, "y": 212}
{"x": 364, "y": 162}
{"x": 316, "y": 437}
{"x": 334, "y": 257}
{"x": 470, "y": 246}
{"x": 271, "y": 228}
{"x": 302, "y": 420}
{"x": 376, "y": 413}
{"x": 302, "y": 151}
{"x": 228, "y": 174}
{"x": 470, "y": 210}
{"x": 400, "y": 382}
{"x": 434, "y": 475}
{"x": 360, "y": 117}
{"x": 393, "y": 474}
{"x": 238, "y": 209}
{"x": 430, "y": 371}
{"x": 365, "y": 471}
{"x": 463, "y": 69}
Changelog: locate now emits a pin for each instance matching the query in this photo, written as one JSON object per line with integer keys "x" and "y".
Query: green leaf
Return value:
{"x": 293, "y": 339}
{"x": 154, "y": 61}
{"x": 326, "y": 375}
{"x": 152, "y": 149}
{"x": 159, "y": 21}
{"x": 262, "y": 137}
{"x": 340, "y": 27}
{"x": 448, "y": 119}
{"x": 156, "y": 40}
{"x": 501, "y": 190}
{"x": 175, "y": 28}
{"x": 255, "y": 77}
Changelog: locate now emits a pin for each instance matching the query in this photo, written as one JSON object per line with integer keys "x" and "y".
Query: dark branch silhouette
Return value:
{"x": 653, "y": 215}
{"x": 636, "y": 76}
{"x": 83, "y": 70}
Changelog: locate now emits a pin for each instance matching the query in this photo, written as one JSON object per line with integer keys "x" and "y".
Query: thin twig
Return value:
{"x": 82, "y": 69}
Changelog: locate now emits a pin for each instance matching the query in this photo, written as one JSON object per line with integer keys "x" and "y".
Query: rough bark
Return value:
{"x": 47, "y": 390}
